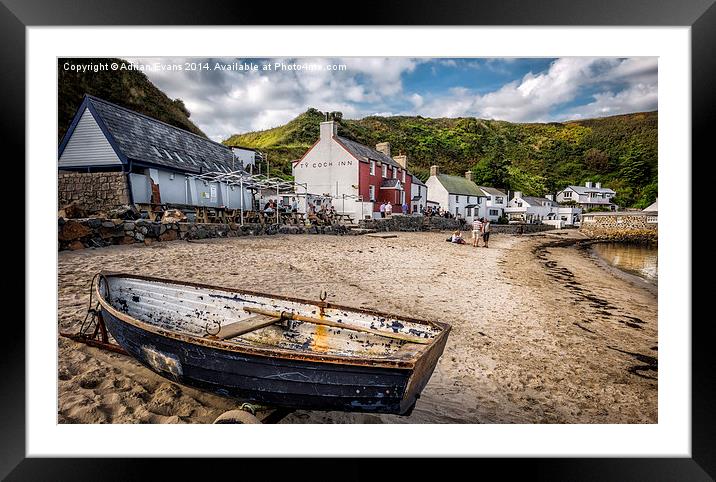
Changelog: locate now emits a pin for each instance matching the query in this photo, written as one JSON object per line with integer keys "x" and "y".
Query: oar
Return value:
{"x": 293, "y": 316}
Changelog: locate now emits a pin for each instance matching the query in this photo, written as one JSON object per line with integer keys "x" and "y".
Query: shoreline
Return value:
{"x": 518, "y": 351}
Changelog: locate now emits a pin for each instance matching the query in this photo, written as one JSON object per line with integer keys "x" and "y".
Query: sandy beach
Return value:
{"x": 540, "y": 334}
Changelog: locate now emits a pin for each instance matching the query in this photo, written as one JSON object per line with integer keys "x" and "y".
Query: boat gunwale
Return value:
{"x": 274, "y": 352}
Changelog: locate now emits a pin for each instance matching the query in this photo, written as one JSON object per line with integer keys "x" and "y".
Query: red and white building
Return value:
{"x": 357, "y": 178}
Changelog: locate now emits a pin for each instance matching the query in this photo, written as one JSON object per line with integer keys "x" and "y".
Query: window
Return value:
{"x": 372, "y": 168}
{"x": 385, "y": 170}
{"x": 402, "y": 197}
{"x": 567, "y": 193}
{"x": 479, "y": 200}
{"x": 395, "y": 173}
{"x": 169, "y": 156}
{"x": 494, "y": 212}
{"x": 498, "y": 200}
{"x": 403, "y": 175}
{"x": 457, "y": 211}
{"x": 371, "y": 192}
{"x": 178, "y": 157}
{"x": 457, "y": 199}
{"x": 468, "y": 212}
{"x": 519, "y": 204}
{"x": 156, "y": 151}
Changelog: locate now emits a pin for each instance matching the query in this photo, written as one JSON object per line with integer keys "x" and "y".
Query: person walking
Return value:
{"x": 382, "y": 210}
{"x": 485, "y": 231}
{"x": 476, "y": 232}
{"x": 405, "y": 208}
{"x": 389, "y": 209}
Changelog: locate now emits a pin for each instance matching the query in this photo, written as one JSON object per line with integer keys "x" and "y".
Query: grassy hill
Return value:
{"x": 128, "y": 88}
{"x": 619, "y": 151}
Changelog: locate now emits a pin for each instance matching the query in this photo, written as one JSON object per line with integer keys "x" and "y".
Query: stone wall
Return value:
{"x": 620, "y": 226}
{"x": 413, "y": 223}
{"x": 519, "y": 228}
{"x": 93, "y": 191}
{"x": 98, "y": 232}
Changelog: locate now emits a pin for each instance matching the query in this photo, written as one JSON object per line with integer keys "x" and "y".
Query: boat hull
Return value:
{"x": 281, "y": 382}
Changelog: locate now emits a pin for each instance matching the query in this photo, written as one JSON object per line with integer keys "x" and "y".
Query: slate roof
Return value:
{"x": 389, "y": 183}
{"x": 366, "y": 153}
{"x": 538, "y": 201}
{"x": 144, "y": 139}
{"x": 459, "y": 185}
{"x": 492, "y": 191}
{"x": 417, "y": 181}
{"x": 584, "y": 190}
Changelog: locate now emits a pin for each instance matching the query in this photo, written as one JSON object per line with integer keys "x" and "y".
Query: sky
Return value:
{"x": 233, "y": 96}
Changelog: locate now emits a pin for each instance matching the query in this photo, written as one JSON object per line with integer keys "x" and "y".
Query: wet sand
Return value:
{"x": 540, "y": 335}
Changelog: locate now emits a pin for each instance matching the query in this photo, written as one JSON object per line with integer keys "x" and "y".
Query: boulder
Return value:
{"x": 73, "y": 230}
{"x": 75, "y": 245}
{"x": 169, "y": 235}
{"x": 72, "y": 210}
{"x": 173, "y": 216}
{"x": 124, "y": 212}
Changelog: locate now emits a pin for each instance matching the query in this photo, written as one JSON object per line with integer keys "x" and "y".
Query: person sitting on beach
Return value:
{"x": 476, "y": 232}
{"x": 485, "y": 231}
{"x": 268, "y": 208}
{"x": 457, "y": 238}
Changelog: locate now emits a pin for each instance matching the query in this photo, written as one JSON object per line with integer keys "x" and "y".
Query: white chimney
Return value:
{"x": 588, "y": 184}
{"x": 434, "y": 170}
{"x": 598, "y": 185}
{"x": 383, "y": 147}
{"x": 518, "y": 194}
{"x": 329, "y": 129}
{"x": 468, "y": 175}
{"x": 550, "y": 197}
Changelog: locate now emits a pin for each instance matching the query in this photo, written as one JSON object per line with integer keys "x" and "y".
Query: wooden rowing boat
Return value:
{"x": 275, "y": 350}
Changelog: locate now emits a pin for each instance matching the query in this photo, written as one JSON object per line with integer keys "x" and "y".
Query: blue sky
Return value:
{"x": 225, "y": 102}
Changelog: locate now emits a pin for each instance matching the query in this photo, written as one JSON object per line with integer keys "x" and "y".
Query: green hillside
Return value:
{"x": 128, "y": 88}
{"x": 619, "y": 151}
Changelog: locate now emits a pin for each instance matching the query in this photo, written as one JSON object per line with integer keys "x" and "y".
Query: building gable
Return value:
{"x": 86, "y": 144}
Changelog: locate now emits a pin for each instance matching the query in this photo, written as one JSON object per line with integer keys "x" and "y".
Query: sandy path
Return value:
{"x": 526, "y": 345}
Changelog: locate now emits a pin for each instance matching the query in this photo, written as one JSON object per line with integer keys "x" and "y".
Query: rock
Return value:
{"x": 72, "y": 210}
{"x": 73, "y": 230}
{"x": 169, "y": 235}
{"x": 75, "y": 245}
{"x": 143, "y": 230}
{"x": 111, "y": 232}
{"x": 148, "y": 241}
{"x": 61, "y": 221}
{"x": 94, "y": 223}
{"x": 139, "y": 237}
{"x": 108, "y": 224}
{"x": 162, "y": 229}
{"x": 173, "y": 216}
{"x": 126, "y": 240}
{"x": 124, "y": 212}
{"x": 128, "y": 226}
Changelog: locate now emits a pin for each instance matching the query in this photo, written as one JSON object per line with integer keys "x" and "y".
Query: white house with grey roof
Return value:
{"x": 590, "y": 195}
{"x": 419, "y": 195}
{"x": 532, "y": 209}
{"x": 496, "y": 202}
{"x": 160, "y": 160}
{"x": 458, "y": 195}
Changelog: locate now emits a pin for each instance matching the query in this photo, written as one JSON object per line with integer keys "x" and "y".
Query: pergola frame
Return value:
{"x": 257, "y": 182}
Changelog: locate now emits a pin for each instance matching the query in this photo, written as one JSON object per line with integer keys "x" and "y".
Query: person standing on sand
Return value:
{"x": 389, "y": 209}
{"x": 485, "y": 231}
{"x": 405, "y": 208}
{"x": 382, "y": 210}
{"x": 476, "y": 232}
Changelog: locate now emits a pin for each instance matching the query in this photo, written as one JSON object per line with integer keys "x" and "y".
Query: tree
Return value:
{"x": 596, "y": 160}
{"x": 634, "y": 166}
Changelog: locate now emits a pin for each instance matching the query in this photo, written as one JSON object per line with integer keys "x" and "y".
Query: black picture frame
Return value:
{"x": 16, "y": 15}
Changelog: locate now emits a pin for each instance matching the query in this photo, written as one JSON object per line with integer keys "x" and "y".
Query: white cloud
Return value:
{"x": 223, "y": 103}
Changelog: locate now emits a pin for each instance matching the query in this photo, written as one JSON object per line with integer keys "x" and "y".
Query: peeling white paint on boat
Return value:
{"x": 199, "y": 311}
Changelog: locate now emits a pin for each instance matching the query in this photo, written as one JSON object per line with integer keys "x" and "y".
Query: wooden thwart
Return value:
{"x": 242, "y": 327}
{"x": 318, "y": 321}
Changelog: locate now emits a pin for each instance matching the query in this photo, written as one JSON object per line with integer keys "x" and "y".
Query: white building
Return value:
{"x": 496, "y": 202}
{"x": 590, "y": 195}
{"x": 419, "y": 195}
{"x": 531, "y": 209}
{"x": 458, "y": 195}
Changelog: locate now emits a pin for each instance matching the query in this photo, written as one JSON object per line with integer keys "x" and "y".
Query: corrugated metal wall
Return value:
{"x": 88, "y": 146}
